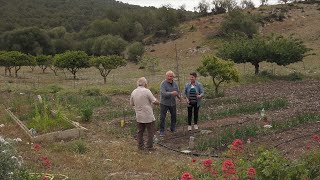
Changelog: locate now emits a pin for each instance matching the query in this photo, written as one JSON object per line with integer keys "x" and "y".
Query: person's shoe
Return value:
{"x": 161, "y": 134}
{"x": 189, "y": 128}
{"x": 196, "y": 127}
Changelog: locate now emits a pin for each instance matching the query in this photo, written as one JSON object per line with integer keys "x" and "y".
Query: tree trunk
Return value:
{"x": 256, "y": 67}
{"x": 216, "y": 91}
{"x": 16, "y": 71}
{"x": 105, "y": 79}
{"x": 216, "y": 86}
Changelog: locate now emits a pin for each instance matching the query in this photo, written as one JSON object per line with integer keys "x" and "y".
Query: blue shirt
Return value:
{"x": 199, "y": 91}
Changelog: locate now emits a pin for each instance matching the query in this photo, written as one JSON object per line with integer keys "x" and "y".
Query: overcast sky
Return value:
{"x": 190, "y": 4}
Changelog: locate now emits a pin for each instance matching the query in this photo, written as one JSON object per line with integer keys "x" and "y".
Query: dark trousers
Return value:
{"x": 151, "y": 130}
{"x": 196, "y": 113}
{"x": 163, "y": 112}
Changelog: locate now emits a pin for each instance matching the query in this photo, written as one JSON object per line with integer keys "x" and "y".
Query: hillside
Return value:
{"x": 301, "y": 21}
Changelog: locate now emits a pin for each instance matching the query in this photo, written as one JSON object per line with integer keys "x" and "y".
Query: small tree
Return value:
{"x": 108, "y": 45}
{"x": 238, "y": 22}
{"x": 43, "y": 61}
{"x": 73, "y": 61}
{"x": 107, "y": 63}
{"x": 242, "y": 50}
{"x": 18, "y": 59}
{"x": 284, "y": 51}
{"x": 135, "y": 51}
{"x": 219, "y": 70}
{"x": 275, "y": 49}
{"x": 6, "y": 61}
{"x": 150, "y": 63}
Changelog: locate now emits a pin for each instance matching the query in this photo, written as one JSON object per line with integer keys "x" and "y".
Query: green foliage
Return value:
{"x": 108, "y": 45}
{"x": 295, "y": 76}
{"x": 44, "y": 121}
{"x": 15, "y": 59}
{"x": 105, "y": 64}
{"x": 43, "y": 61}
{"x": 135, "y": 51}
{"x": 54, "y": 89}
{"x": 219, "y": 70}
{"x": 86, "y": 112}
{"x": 150, "y": 64}
{"x": 270, "y": 165}
{"x": 167, "y": 19}
{"x": 28, "y": 40}
{"x": 92, "y": 92}
{"x": 284, "y": 51}
{"x": 79, "y": 146}
{"x": 280, "y": 50}
{"x": 238, "y": 22}
{"x": 11, "y": 165}
{"x": 73, "y": 61}
{"x": 222, "y": 6}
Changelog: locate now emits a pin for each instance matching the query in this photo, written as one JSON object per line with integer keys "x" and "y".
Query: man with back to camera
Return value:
{"x": 142, "y": 99}
{"x": 169, "y": 90}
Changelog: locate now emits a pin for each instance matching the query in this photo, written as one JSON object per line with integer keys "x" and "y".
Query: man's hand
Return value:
{"x": 199, "y": 96}
{"x": 175, "y": 93}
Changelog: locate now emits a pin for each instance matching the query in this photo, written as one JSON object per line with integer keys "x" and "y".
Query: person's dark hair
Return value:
{"x": 193, "y": 74}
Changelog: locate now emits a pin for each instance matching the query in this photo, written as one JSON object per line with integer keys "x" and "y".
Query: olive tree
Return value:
{"x": 107, "y": 63}
{"x": 15, "y": 59}
{"x": 274, "y": 49}
{"x": 73, "y": 61}
{"x": 43, "y": 61}
{"x": 220, "y": 71}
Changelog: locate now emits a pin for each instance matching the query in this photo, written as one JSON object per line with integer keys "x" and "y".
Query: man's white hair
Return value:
{"x": 169, "y": 72}
{"x": 142, "y": 81}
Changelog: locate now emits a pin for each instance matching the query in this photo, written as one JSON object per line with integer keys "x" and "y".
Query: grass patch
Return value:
{"x": 246, "y": 109}
{"x": 44, "y": 121}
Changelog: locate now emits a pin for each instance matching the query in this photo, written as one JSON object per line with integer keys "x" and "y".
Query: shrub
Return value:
{"x": 86, "y": 112}
{"x": 11, "y": 166}
{"x": 135, "y": 51}
{"x": 295, "y": 76}
{"x": 54, "y": 89}
{"x": 92, "y": 92}
{"x": 79, "y": 146}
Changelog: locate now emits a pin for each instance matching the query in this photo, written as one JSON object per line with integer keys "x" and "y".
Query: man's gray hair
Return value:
{"x": 169, "y": 72}
{"x": 142, "y": 81}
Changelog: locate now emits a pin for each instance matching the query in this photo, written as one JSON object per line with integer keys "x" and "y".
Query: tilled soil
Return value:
{"x": 303, "y": 98}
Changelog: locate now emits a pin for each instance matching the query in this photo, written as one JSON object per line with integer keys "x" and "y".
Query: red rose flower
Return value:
{"x": 186, "y": 176}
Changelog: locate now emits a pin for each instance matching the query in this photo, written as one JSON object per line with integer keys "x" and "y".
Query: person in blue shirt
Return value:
{"x": 193, "y": 92}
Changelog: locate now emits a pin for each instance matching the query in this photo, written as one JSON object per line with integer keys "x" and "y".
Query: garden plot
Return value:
{"x": 297, "y": 108}
{"x": 40, "y": 122}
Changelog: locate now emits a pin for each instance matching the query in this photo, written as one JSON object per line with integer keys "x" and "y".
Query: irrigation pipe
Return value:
{"x": 287, "y": 141}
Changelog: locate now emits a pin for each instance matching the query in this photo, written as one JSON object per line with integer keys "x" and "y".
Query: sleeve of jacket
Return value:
{"x": 163, "y": 91}
{"x": 201, "y": 90}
